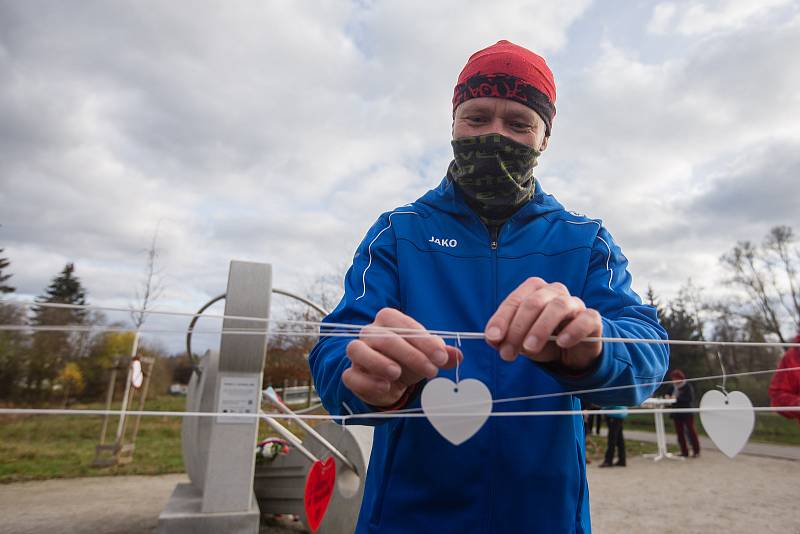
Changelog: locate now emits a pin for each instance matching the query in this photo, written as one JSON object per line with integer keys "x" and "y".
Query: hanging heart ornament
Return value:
{"x": 444, "y": 402}
{"x": 728, "y": 420}
{"x": 137, "y": 375}
{"x": 319, "y": 488}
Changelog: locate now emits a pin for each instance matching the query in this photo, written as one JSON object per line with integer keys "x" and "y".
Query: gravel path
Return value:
{"x": 96, "y": 505}
{"x": 710, "y": 494}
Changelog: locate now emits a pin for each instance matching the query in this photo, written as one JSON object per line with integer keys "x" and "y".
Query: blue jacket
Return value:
{"x": 435, "y": 261}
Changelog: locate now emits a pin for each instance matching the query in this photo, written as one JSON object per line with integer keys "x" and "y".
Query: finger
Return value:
{"x": 366, "y": 387}
{"x": 401, "y": 351}
{"x": 372, "y": 361}
{"x": 497, "y": 326}
{"x": 432, "y": 346}
{"x": 527, "y": 314}
{"x": 549, "y": 353}
{"x": 558, "y": 310}
{"x": 454, "y": 355}
{"x": 586, "y": 324}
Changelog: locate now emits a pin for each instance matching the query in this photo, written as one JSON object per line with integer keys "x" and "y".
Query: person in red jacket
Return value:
{"x": 784, "y": 390}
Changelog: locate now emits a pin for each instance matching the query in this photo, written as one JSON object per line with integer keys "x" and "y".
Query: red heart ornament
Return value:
{"x": 319, "y": 488}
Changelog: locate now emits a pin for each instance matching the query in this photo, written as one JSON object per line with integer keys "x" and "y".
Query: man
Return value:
{"x": 683, "y": 393}
{"x": 616, "y": 439}
{"x": 784, "y": 390}
{"x": 487, "y": 250}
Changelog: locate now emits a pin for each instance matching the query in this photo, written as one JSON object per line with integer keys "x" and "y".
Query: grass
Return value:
{"x": 596, "y": 448}
{"x": 39, "y": 447}
{"x": 769, "y": 428}
{"x": 44, "y": 447}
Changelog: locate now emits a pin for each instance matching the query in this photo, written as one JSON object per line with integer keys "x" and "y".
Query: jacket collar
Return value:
{"x": 447, "y": 198}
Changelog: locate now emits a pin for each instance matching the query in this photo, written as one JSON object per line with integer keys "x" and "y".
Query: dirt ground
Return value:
{"x": 711, "y": 494}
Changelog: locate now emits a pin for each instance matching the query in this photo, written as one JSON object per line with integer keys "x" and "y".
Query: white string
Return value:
{"x": 457, "y": 337}
{"x": 458, "y": 342}
{"x": 160, "y": 413}
{"x": 625, "y": 411}
{"x": 59, "y": 305}
{"x": 458, "y": 363}
{"x": 314, "y": 324}
{"x": 382, "y": 332}
{"x": 374, "y": 330}
{"x": 389, "y": 415}
{"x": 457, "y": 377}
{"x": 228, "y": 331}
{"x": 378, "y": 331}
{"x": 611, "y": 388}
{"x": 724, "y": 377}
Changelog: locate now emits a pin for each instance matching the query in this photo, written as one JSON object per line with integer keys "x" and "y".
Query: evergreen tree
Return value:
{"x": 12, "y": 344}
{"x": 13, "y": 351}
{"x": 681, "y": 318}
{"x": 652, "y": 299}
{"x": 52, "y": 350}
{"x": 4, "y": 263}
{"x": 66, "y": 288}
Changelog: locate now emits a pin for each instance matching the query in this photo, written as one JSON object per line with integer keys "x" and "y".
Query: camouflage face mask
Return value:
{"x": 494, "y": 173}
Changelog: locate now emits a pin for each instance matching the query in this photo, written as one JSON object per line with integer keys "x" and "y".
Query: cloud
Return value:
{"x": 663, "y": 15}
{"x": 278, "y": 132}
{"x": 269, "y": 132}
{"x": 756, "y": 190}
{"x": 698, "y": 18}
{"x": 671, "y": 152}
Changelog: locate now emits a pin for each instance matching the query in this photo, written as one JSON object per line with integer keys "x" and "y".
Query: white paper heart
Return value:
{"x": 443, "y": 401}
{"x": 728, "y": 429}
{"x": 137, "y": 376}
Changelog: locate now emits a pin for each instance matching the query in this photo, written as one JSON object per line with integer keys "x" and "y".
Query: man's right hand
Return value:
{"x": 384, "y": 366}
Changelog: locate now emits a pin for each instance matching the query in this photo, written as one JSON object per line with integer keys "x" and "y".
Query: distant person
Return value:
{"x": 616, "y": 440}
{"x": 784, "y": 390}
{"x": 683, "y": 392}
{"x": 588, "y": 422}
{"x": 593, "y": 420}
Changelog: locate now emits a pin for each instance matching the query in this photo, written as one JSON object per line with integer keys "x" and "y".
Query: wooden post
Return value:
{"x": 148, "y": 374}
{"x": 109, "y": 398}
{"x": 125, "y": 396}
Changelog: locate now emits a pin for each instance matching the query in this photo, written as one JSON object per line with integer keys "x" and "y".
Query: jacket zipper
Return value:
{"x": 494, "y": 237}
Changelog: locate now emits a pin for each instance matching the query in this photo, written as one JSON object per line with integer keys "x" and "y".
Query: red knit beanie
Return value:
{"x": 505, "y": 70}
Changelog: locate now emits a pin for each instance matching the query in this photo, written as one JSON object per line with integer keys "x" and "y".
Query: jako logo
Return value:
{"x": 449, "y": 243}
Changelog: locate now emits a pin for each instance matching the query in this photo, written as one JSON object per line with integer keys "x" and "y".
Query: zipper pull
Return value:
{"x": 494, "y": 245}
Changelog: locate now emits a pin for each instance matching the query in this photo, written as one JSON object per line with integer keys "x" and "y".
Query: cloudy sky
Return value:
{"x": 278, "y": 131}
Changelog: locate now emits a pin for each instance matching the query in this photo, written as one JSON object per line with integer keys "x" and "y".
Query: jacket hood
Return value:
{"x": 447, "y": 198}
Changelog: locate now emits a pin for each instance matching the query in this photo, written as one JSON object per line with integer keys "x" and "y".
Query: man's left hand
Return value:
{"x": 537, "y": 310}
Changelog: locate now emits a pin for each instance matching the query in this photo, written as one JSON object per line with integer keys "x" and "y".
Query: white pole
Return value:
{"x": 273, "y": 398}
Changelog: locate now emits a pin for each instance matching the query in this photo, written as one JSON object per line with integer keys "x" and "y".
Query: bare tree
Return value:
{"x": 148, "y": 293}
{"x": 783, "y": 262}
{"x": 768, "y": 275}
{"x": 151, "y": 287}
{"x": 288, "y": 353}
